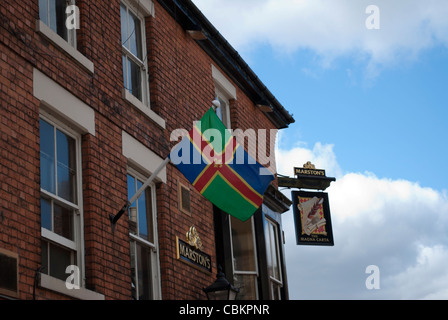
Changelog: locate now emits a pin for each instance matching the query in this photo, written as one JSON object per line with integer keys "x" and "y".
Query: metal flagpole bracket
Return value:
{"x": 114, "y": 218}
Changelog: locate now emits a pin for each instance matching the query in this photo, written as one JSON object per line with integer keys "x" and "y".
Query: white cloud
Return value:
{"x": 322, "y": 156}
{"x": 394, "y": 224}
{"x": 429, "y": 276}
{"x": 331, "y": 28}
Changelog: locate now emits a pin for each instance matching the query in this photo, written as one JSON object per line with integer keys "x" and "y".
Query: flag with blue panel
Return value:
{"x": 220, "y": 169}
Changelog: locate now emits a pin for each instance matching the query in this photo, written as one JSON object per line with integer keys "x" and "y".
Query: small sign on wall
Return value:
{"x": 190, "y": 252}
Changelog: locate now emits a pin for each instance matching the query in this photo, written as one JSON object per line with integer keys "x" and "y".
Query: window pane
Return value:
{"x": 57, "y": 16}
{"x": 124, "y": 26}
{"x": 60, "y": 259}
{"x": 142, "y": 219}
{"x": 267, "y": 236}
{"x": 243, "y": 245}
{"x": 52, "y": 15}
{"x": 61, "y": 18}
{"x": 63, "y": 222}
{"x": 43, "y": 11}
{"x": 125, "y": 72}
{"x": 144, "y": 273}
{"x": 47, "y": 157}
{"x": 133, "y": 272}
{"x": 131, "y": 189}
{"x": 149, "y": 216}
{"x": 247, "y": 286}
{"x": 274, "y": 243}
{"x": 145, "y": 226}
{"x": 45, "y": 214}
{"x": 44, "y": 256}
{"x": 134, "y": 79}
{"x": 135, "y": 36}
{"x": 66, "y": 166}
{"x": 221, "y": 112}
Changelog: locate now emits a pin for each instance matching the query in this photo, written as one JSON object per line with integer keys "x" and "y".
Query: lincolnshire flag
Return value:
{"x": 220, "y": 169}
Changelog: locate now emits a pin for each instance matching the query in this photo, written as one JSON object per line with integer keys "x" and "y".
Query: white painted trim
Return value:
{"x": 143, "y": 7}
{"x": 47, "y": 234}
{"x": 224, "y": 85}
{"x": 58, "y": 285}
{"x": 129, "y": 97}
{"x": 56, "y": 39}
{"x": 57, "y": 100}
{"x": 141, "y": 157}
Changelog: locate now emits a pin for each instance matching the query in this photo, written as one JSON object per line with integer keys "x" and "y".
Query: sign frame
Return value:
{"x": 317, "y": 231}
{"x": 309, "y": 172}
{"x": 193, "y": 256}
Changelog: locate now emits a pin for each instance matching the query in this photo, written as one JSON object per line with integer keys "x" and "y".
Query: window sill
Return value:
{"x": 129, "y": 97}
{"x": 58, "y": 285}
{"x": 52, "y": 36}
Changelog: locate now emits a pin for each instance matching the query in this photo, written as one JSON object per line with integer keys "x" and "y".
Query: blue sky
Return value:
{"x": 394, "y": 125}
{"x": 371, "y": 107}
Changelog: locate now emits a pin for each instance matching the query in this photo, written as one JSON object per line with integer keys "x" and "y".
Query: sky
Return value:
{"x": 368, "y": 88}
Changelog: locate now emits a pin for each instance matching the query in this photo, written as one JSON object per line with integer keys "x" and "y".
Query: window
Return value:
{"x": 223, "y": 112}
{"x": 60, "y": 176}
{"x": 134, "y": 56}
{"x": 9, "y": 279}
{"x": 224, "y": 91}
{"x": 53, "y": 14}
{"x": 245, "y": 270}
{"x": 273, "y": 258}
{"x": 143, "y": 234}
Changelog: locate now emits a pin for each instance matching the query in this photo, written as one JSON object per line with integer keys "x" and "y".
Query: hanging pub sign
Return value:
{"x": 312, "y": 218}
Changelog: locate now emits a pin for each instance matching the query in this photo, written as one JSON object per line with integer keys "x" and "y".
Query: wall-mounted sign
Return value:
{"x": 191, "y": 252}
{"x": 309, "y": 169}
{"x": 312, "y": 218}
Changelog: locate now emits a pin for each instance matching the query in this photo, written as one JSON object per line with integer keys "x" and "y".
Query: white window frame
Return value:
{"x": 143, "y": 65}
{"x": 225, "y": 107}
{"x": 154, "y": 247}
{"x": 71, "y": 33}
{"x": 272, "y": 280}
{"x": 69, "y": 45}
{"x": 253, "y": 273}
{"x": 224, "y": 91}
{"x": 77, "y": 244}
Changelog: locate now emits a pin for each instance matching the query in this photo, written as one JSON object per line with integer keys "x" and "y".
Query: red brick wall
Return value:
{"x": 181, "y": 90}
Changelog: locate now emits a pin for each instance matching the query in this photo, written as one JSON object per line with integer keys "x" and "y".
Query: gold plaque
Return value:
{"x": 193, "y": 238}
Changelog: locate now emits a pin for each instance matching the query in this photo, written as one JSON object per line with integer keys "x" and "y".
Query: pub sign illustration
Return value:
{"x": 312, "y": 218}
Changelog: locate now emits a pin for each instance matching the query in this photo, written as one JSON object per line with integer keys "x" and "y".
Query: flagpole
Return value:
{"x": 114, "y": 219}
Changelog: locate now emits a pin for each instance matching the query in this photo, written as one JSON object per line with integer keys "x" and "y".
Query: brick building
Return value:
{"x": 87, "y": 111}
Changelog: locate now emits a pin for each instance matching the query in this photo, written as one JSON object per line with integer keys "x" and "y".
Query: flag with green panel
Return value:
{"x": 220, "y": 169}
